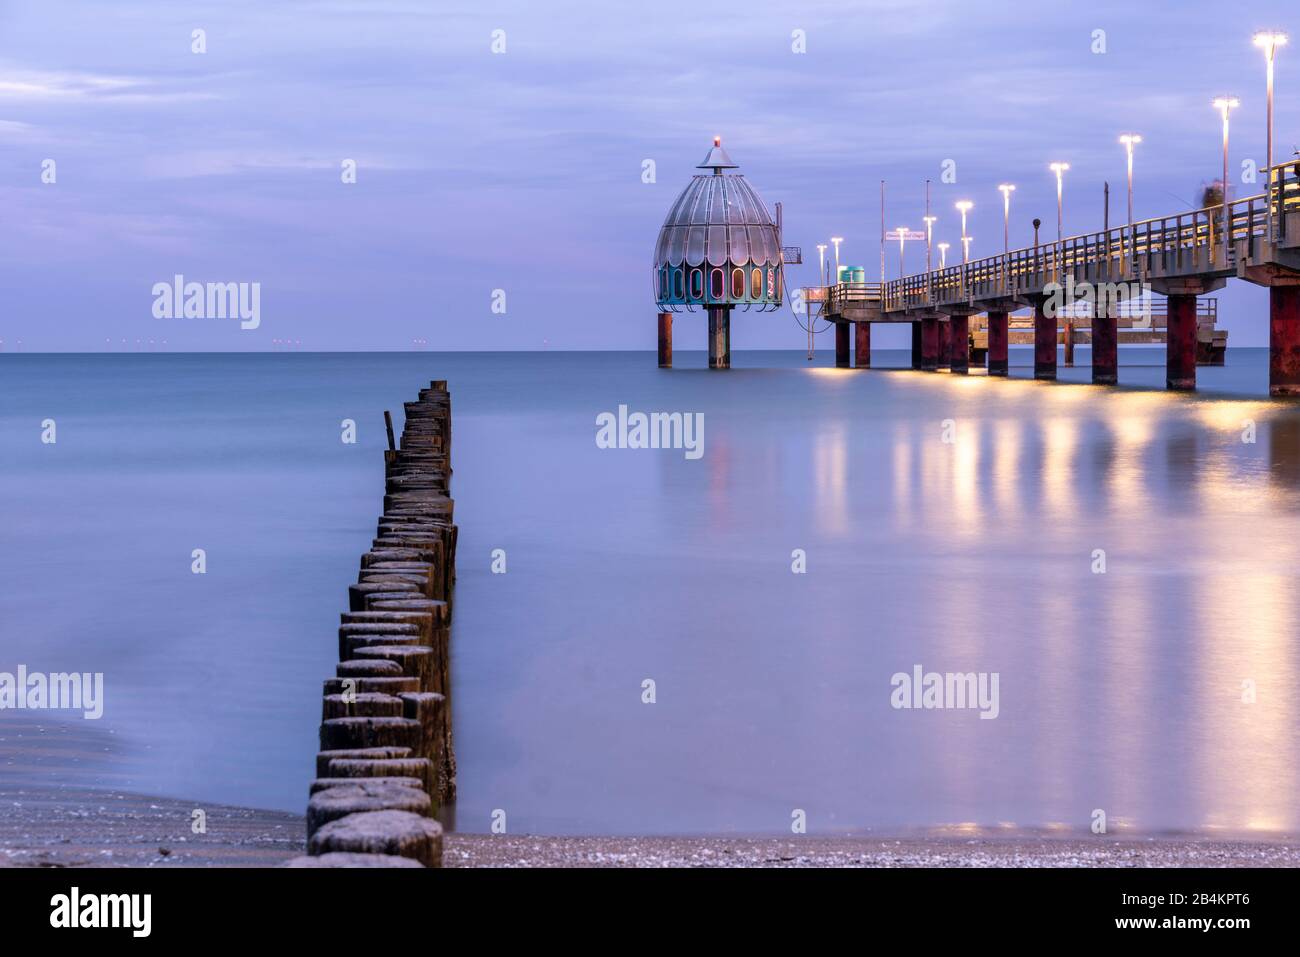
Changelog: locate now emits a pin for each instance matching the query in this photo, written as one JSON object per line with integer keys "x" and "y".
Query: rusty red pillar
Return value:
{"x": 916, "y": 345}
{"x": 1044, "y": 342}
{"x": 862, "y": 345}
{"x": 1180, "y": 346}
{"x": 997, "y": 342}
{"x": 930, "y": 343}
{"x": 1105, "y": 343}
{"x": 959, "y": 354}
{"x": 719, "y": 337}
{"x": 665, "y": 340}
{"x": 1284, "y": 340}
{"x": 841, "y": 345}
{"x": 1069, "y": 343}
{"x": 945, "y": 344}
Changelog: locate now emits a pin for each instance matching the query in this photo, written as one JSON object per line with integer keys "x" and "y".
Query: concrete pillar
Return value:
{"x": 842, "y": 345}
{"x": 959, "y": 355}
{"x": 665, "y": 340}
{"x": 1044, "y": 342}
{"x": 1105, "y": 343}
{"x": 930, "y": 343}
{"x": 1180, "y": 347}
{"x": 945, "y": 344}
{"x": 1284, "y": 340}
{"x": 916, "y": 345}
{"x": 719, "y": 337}
{"x": 997, "y": 342}
{"x": 1069, "y": 343}
{"x": 862, "y": 345}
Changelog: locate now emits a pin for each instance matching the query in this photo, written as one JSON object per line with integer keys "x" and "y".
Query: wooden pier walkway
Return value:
{"x": 1180, "y": 257}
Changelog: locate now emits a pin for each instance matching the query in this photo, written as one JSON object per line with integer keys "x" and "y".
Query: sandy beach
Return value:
{"x": 48, "y": 827}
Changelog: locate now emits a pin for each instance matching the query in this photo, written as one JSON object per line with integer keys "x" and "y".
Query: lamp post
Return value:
{"x": 1059, "y": 169}
{"x": 964, "y": 205}
{"x": 837, "y": 240}
{"x": 1269, "y": 41}
{"x": 821, "y": 267}
{"x": 943, "y": 255}
{"x": 1007, "y": 189}
{"x": 1224, "y": 104}
{"x": 1130, "y": 140}
{"x": 965, "y": 247}
{"x": 902, "y": 237}
{"x": 929, "y": 238}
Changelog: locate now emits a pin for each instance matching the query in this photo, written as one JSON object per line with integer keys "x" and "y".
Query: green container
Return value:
{"x": 852, "y": 274}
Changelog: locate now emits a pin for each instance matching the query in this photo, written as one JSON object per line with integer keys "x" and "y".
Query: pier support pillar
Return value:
{"x": 930, "y": 344}
{"x": 1044, "y": 342}
{"x": 862, "y": 345}
{"x": 842, "y": 330}
{"x": 665, "y": 340}
{"x": 1284, "y": 340}
{"x": 719, "y": 337}
{"x": 1180, "y": 351}
{"x": 945, "y": 345}
{"x": 998, "y": 342}
{"x": 916, "y": 345}
{"x": 1069, "y": 343}
{"x": 1105, "y": 343}
{"x": 959, "y": 350}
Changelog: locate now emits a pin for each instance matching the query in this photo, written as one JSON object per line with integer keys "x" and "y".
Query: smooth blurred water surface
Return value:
{"x": 1120, "y": 691}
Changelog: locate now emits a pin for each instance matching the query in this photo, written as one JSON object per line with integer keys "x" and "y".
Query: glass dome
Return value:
{"x": 718, "y": 245}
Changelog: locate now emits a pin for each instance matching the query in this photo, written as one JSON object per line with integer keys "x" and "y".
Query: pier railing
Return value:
{"x": 1193, "y": 243}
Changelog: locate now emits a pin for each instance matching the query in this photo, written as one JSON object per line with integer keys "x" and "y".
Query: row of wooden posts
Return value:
{"x": 386, "y": 763}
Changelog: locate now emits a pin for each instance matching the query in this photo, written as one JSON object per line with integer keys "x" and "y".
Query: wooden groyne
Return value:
{"x": 386, "y": 762}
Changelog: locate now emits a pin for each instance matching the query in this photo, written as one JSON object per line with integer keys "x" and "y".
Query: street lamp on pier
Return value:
{"x": 964, "y": 206}
{"x": 1007, "y": 189}
{"x": 1269, "y": 41}
{"x": 1059, "y": 169}
{"x": 1130, "y": 140}
{"x": 1225, "y": 104}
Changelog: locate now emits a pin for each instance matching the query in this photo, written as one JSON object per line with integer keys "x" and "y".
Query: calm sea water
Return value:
{"x": 1120, "y": 691}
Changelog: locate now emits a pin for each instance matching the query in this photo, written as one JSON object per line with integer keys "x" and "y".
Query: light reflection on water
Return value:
{"x": 1119, "y": 691}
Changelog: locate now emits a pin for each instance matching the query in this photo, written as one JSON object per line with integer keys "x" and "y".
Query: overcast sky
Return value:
{"x": 522, "y": 170}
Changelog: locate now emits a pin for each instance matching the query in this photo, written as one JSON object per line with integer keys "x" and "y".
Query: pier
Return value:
{"x": 1182, "y": 257}
{"x": 386, "y": 762}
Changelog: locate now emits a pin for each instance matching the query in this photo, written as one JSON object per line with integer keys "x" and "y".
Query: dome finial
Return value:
{"x": 717, "y": 160}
